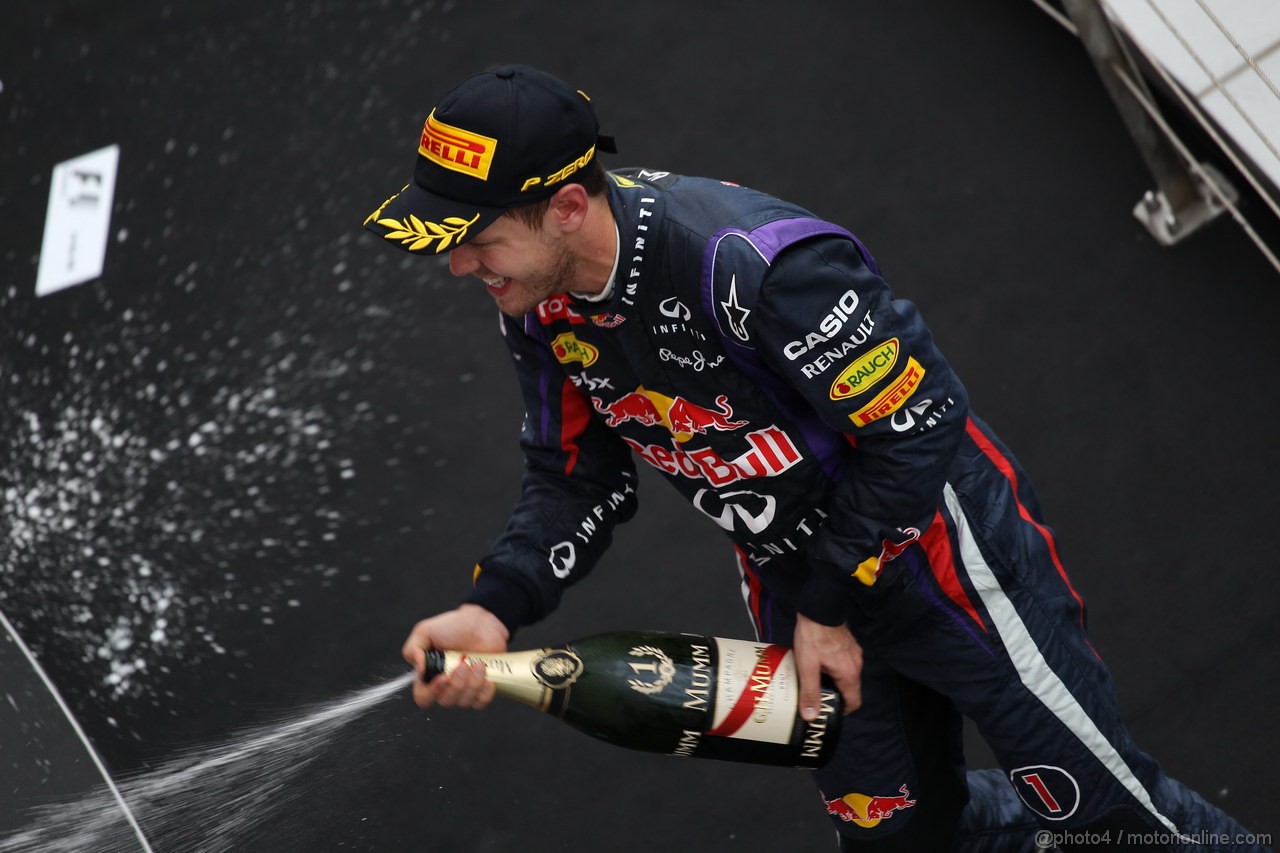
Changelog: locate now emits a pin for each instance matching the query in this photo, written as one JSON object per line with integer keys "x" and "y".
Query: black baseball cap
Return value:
{"x": 503, "y": 138}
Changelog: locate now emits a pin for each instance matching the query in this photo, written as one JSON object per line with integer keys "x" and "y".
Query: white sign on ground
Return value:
{"x": 77, "y": 220}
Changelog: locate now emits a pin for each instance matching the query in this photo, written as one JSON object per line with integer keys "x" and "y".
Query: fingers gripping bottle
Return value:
{"x": 681, "y": 694}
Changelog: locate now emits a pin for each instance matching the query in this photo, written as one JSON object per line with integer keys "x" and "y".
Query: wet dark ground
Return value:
{"x": 241, "y": 464}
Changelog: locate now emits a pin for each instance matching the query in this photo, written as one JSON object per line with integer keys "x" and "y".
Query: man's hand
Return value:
{"x": 829, "y": 649}
{"x": 470, "y": 628}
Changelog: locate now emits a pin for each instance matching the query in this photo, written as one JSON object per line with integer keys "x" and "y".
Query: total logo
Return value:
{"x": 681, "y": 417}
{"x": 557, "y": 308}
{"x": 864, "y": 811}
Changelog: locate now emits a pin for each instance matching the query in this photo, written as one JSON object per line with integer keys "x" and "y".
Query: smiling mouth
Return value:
{"x": 496, "y": 285}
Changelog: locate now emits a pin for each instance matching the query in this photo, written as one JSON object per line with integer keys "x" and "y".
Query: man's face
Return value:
{"x": 519, "y": 266}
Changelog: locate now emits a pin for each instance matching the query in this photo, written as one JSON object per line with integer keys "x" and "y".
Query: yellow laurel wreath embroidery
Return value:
{"x": 415, "y": 234}
{"x": 372, "y": 216}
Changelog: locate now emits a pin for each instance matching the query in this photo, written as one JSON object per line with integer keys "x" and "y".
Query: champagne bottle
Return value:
{"x": 680, "y": 694}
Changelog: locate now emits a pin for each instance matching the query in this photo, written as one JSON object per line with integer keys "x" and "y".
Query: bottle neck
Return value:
{"x": 511, "y": 673}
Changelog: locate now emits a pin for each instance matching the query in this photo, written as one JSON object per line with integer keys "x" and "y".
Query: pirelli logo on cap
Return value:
{"x": 457, "y": 149}
{"x": 891, "y": 399}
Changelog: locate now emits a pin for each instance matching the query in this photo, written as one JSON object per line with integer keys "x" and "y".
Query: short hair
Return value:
{"x": 593, "y": 178}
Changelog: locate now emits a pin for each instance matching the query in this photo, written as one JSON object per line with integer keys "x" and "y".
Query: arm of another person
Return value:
{"x": 579, "y": 483}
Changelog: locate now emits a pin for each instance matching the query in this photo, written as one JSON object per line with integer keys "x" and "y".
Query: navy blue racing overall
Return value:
{"x": 755, "y": 356}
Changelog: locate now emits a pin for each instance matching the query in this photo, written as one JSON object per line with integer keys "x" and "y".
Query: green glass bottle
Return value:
{"x": 680, "y": 694}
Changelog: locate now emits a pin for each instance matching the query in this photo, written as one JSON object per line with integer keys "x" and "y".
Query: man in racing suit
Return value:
{"x": 754, "y": 355}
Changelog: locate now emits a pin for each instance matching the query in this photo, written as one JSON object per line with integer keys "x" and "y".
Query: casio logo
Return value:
{"x": 828, "y": 328}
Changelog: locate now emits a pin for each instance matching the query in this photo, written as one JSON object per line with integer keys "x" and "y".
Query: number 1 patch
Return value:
{"x": 1050, "y": 792}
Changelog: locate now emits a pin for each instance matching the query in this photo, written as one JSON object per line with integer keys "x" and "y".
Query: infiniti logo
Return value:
{"x": 563, "y": 558}
{"x": 674, "y": 308}
{"x": 755, "y": 511}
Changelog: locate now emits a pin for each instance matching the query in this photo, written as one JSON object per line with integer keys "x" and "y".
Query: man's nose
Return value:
{"x": 462, "y": 260}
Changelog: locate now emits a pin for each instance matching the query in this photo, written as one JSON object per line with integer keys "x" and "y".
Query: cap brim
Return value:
{"x": 419, "y": 221}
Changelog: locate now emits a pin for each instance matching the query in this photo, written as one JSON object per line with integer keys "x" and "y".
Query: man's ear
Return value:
{"x": 568, "y": 209}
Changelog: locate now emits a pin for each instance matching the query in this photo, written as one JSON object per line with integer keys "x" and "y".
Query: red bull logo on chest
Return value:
{"x": 769, "y": 452}
{"x": 681, "y": 417}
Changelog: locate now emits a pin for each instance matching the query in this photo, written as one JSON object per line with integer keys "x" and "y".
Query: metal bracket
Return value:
{"x": 1182, "y": 201}
{"x": 1168, "y": 225}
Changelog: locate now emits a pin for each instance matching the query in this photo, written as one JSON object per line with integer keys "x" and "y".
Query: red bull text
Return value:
{"x": 770, "y": 454}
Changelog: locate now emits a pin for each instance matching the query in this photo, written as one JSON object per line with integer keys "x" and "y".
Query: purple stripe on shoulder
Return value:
{"x": 776, "y": 236}
{"x": 768, "y": 240}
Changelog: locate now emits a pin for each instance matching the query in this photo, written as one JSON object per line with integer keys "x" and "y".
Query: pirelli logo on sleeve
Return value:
{"x": 891, "y": 399}
{"x": 457, "y": 149}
